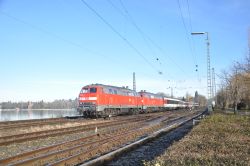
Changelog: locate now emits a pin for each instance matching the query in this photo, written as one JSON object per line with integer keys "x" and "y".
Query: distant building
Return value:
{"x": 196, "y": 97}
{"x": 30, "y": 105}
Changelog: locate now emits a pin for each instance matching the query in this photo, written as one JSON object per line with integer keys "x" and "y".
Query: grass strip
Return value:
{"x": 219, "y": 139}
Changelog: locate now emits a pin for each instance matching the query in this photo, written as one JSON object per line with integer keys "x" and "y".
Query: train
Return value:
{"x": 99, "y": 100}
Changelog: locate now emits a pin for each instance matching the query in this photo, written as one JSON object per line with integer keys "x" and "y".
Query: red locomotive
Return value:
{"x": 97, "y": 100}
{"x": 103, "y": 100}
{"x": 150, "y": 102}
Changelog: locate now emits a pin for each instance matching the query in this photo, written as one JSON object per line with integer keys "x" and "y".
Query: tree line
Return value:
{"x": 56, "y": 104}
{"x": 235, "y": 86}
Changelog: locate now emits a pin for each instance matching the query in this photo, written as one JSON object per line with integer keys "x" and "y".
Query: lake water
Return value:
{"x": 24, "y": 114}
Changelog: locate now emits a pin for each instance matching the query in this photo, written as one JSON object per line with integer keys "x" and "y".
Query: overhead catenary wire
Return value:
{"x": 120, "y": 35}
{"x": 145, "y": 37}
{"x": 55, "y": 36}
{"x": 132, "y": 21}
{"x": 125, "y": 13}
{"x": 191, "y": 44}
{"x": 187, "y": 33}
{"x": 51, "y": 34}
{"x": 58, "y": 36}
{"x": 192, "y": 41}
{"x": 143, "y": 34}
{"x": 189, "y": 15}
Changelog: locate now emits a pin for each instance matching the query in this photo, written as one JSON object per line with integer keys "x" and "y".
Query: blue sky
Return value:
{"x": 50, "y": 49}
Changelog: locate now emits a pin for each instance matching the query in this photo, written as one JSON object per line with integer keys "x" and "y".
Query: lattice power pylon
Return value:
{"x": 248, "y": 49}
{"x": 209, "y": 87}
{"x": 213, "y": 84}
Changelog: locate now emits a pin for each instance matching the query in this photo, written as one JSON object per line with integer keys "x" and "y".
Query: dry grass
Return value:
{"x": 220, "y": 139}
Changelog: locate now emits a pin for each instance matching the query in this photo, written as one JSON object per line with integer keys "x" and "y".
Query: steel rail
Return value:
{"x": 69, "y": 150}
{"x": 88, "y": 153}
{"x": 12, "y": 126}
{"x": 58, "y": 146}
{"x": 6, "y": 140}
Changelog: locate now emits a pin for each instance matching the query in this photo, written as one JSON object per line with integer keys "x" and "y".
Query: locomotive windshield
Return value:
{"x": 89, "y": 90}
{"x": 84, "y": 90}
{"x": 92, "y": 90}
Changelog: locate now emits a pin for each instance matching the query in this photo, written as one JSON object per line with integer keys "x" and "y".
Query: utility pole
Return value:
{"x": 213, "y": 84}
{"x": 236, "y": 92}
{"x": 134, "y": 83}
{"x": 172, "y": 92}
{"x": 248, "y": 63}
{"x": 208, "y": 70}
{"x": 209, "y": 87}
{"x": 212, "y": 87}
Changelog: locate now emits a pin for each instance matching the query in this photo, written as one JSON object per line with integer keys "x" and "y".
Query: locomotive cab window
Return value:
{"x": 84, "y": 90}
{"x": 92, "y": 90}
{"x": 110, "y": 91}
{"x": 130, "y": 93}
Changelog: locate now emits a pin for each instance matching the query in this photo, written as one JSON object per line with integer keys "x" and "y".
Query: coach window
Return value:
{"x": 92, "y": 90}
{"x": 115, "y": 92}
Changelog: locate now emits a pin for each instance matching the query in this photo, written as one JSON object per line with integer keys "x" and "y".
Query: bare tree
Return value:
{"x": 235, "y": 89}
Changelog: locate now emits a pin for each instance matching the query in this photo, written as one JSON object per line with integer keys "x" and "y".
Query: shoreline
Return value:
{"x": 42, "y": 109}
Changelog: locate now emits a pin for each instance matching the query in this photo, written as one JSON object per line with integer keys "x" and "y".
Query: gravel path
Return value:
{"x": 153, "y": 149}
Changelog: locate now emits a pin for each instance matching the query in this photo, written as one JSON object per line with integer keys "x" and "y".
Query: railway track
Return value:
{"x": 4, "y": 123}
{"x": 18, "y": 138}
{"x": 123, "y": 126}
{"x": 32, "y": 123}
{"x": 63, "y": 150}
{"x": 84, "y": 148}
{"x": 174, "y": 125}
{"x": 8, "y": 125}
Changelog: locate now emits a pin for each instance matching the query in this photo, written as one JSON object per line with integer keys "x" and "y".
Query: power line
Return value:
{"x": 187, "y": 34}
{"x": 146, "y": 37}
{"x": 189, "y": 15}
{"x": 53, "y": 35}
{"x": 35, "y": 27}
{"x": 132, "y": 21}
{"x": 117, "y": 9}
{"x": 128, "y": 17}
{"x": 119, "y": 34}
{"x": 192, "y": 41}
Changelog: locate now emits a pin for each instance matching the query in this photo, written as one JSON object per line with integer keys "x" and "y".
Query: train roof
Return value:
{"x": 168, "y": 98}
{"x": 149, "y": 93}
{"x": 113, "y": 87}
